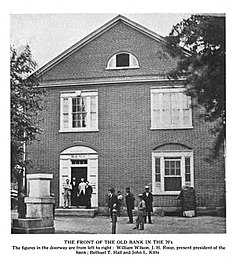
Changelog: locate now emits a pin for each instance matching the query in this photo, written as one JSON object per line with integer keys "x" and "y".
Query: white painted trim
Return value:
{"x": 74, "y": 94}
{"x": 122, "y": 68}
{"x": 113, "y": 60}
{"x": 177, "y": 153}
{"x": 81, "y": 152}
{"x": 169, "y": 90}
{"x": 81, "y": 156}
{"x": 78, "y": 94}
{"x": 78, "y": 150}
{"x": 169, "y": 87}
{"x": 80, "y": 82}
{"x": 161, "y": 154}
{"x": 158, "y": 152}
{"x": 75, "y": 130}
{"x": 169, "y": 128}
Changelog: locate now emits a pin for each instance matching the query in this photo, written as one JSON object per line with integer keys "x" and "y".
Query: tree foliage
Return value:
{"x": 26, "y": 102}
{"x": 201, "y": 42}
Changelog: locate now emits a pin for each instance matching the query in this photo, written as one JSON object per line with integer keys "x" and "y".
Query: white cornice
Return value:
{"x": 87, "y": 82}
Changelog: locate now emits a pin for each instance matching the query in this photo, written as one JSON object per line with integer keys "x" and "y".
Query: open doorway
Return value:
{"x": 77, "y": 173}
{"x": 79, "y": 162}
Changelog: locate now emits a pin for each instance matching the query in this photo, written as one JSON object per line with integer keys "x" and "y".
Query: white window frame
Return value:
{"x": 184, "y": 98}
{"x": 75, "y": 94}
{"x": 158, "y": 187}
{"x": 133, "y": 62}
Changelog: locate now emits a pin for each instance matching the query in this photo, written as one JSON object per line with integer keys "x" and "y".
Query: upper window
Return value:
{"x": 170, "y": 109}
{"x": 79, "y": 111}
{"x": 122, "y": 61}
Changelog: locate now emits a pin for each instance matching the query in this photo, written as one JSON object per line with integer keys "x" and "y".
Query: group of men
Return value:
{"x": 145, "y": 207}
{"x": 77, "y": 193}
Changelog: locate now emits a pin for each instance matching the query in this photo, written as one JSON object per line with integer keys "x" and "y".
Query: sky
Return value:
{"x": 50, "y": 34}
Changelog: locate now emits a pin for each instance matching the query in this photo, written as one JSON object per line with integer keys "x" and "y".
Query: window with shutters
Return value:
{"x": 79, "y": 111}
{"x": 170, "y": 108}
{"x": 122, "y": 60}
{"x": 171, "y": 170}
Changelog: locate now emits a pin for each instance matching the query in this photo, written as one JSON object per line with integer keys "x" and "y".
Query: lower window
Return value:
{"x": 171, "y": 170}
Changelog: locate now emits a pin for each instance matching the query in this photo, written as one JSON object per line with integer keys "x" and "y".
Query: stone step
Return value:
{"x": 78, "y": 212}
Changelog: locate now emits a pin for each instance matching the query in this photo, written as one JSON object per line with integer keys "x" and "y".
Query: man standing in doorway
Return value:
{"x": 67, "y": 194}
{"x": 129, "y": 199}
{"x": 88, "y": 194}
{"x": 81, "y": 192}
{"x": 74, "y": 192}
{"x": 148, "y": 198}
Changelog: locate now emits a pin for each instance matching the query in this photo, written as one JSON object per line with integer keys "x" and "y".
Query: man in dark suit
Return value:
{"x": 129, "y": 199}
{"x": 113, "y": 199}
{"x": 74, "y": 192}
{"x": 148, "y": 198}
{"x": 88, "y": 194}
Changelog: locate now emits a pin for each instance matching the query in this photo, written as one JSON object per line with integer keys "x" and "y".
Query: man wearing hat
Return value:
{"x": 141, "y": 213}
{"x": 129, "y": 199}
{"x": 148, "y": 198}
{"x": 113, "y": 200}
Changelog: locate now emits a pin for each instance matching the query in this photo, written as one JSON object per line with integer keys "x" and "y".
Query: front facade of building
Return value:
{"x": 113, "y": 117}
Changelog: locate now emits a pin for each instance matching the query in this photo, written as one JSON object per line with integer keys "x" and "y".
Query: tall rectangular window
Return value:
{"x": 172, "y": 173}
{"x": 188, "y": 169}
{"x": 93, "y": 112}
{"x": 157, "y": 174}
{"x": 170, "y": 109}
{"x": 157, "y": 170}
{"x": 65, "y": 112}
{"x": 79, "y": 111}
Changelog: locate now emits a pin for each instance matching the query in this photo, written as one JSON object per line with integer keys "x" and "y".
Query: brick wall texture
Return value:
{"x": 124, "y": 141}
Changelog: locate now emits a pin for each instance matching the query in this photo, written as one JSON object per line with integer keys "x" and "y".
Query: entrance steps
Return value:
{"x": 75, "y": 212}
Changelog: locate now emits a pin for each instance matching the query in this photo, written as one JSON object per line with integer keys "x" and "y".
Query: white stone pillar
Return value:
{"x": 39, "y": 207}
{"x": 39, "y": 203}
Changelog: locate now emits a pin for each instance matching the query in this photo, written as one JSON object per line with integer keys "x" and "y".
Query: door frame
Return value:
{"x": 79, "y": 153}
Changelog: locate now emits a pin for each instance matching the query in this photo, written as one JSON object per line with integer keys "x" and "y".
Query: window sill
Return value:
{"x": 169, "y": 128}
{"x": 78, "y": 130}
{"x": 122, "y": 68}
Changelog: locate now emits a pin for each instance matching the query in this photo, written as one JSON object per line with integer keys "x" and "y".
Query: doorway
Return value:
{"x": 77, "y": 173}
{"x": 79, "y": 162}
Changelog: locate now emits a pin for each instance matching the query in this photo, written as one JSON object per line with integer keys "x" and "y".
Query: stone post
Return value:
{"x": 39, "y": 207}
{"x": 114, "y": 219}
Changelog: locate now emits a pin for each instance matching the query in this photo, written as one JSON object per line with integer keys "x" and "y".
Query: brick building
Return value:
{"x": 113, "y": 117}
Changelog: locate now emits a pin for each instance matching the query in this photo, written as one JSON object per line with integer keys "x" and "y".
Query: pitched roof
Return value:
{"x": 95, "y": 34}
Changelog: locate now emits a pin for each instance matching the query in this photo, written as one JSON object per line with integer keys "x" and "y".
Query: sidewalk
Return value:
{"x": 161, "y": 225}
